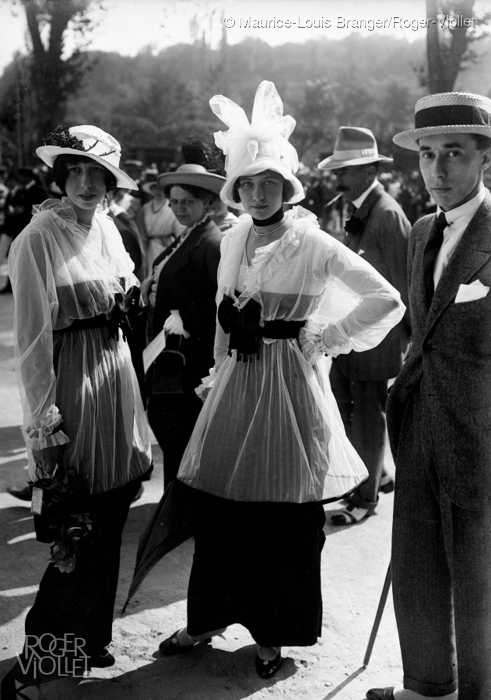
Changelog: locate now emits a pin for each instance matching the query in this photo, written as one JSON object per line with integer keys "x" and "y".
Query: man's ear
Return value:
{"x": 486, "y": 159}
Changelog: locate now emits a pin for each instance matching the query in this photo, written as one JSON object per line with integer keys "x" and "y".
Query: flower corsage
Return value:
{"x": 60, "y": 505}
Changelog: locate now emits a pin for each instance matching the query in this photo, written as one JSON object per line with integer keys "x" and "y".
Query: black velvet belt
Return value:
{"x": 125, "y": 307}
{"x": 245, "y": 329}
{"x": 82, "y": 324}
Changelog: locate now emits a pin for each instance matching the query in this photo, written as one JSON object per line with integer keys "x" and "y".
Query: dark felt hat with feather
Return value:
{"x": 201, "y": 167}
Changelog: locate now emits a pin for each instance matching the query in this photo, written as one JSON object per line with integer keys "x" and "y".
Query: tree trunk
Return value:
{"x": 445, "y": 60}
{"x": 51, "y": 76}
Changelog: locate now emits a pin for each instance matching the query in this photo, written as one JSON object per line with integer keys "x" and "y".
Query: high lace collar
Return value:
{"x": 62, "y": 210}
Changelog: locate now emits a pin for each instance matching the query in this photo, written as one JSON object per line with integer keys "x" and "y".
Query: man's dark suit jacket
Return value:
{"x": 383, "y": 244}
{"x": 188, "y": 282}
{"x": 449, "y": 364}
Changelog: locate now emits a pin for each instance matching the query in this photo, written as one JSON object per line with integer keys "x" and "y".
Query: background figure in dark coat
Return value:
{"x": 439, "y": 415}
{"x": 25, "y": 190}
{"x": 378, "y": 231}
{"x": 181, "y": 292}
{"x": 19, "y": 204}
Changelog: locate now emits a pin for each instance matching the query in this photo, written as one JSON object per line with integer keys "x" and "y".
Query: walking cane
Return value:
{"x": 378, "y": 616}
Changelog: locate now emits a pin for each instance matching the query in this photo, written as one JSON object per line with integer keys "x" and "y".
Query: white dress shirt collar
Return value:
{"x": 458, "y": 220}
{"x": 359, "y": 200}
{"x": 465, "y": 211}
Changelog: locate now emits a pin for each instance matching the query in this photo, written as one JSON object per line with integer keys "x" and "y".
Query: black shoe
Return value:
{"x": 267, "y": 668}
{"x": 381, "y": 694}
{"x": 387, "y": 484}
{"x": 22, "y": 494}
{"x": 172, "y": 646}
{"x": 103, "y": 660}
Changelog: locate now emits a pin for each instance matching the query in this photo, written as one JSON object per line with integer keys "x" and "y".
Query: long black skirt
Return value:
{"x": 80, "y": 605}
{"x": 257, "y": 564}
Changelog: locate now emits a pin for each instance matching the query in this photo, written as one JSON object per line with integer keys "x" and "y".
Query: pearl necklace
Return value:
{"x": 156, "y": 210}
{"x": 267, "y": 233}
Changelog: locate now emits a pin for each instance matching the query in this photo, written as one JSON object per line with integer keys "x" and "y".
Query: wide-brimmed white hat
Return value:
{"x": 261, "y": 144}
{"x": 447, "y": 113}
{"x": 89, "y": 141}
{"x": 192, "y": 174}
{"x": 354, "y": 146}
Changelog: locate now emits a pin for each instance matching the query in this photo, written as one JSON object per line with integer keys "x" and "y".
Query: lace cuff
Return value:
{"x": 58, "y": 438}
{"x": 48, "y": 432}
{"x": 206, "y": 384}
{"x": 317, "y": 339}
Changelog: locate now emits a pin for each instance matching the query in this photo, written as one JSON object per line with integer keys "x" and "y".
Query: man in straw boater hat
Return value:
{"x": 378, "y": 231}
{"x": 439, "y": 415}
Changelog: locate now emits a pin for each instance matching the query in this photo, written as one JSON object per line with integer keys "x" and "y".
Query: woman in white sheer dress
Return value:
{"x": 269, "y": 447}
{"x": 83, "y": 415}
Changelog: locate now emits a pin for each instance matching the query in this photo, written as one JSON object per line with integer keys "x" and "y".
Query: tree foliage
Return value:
{"x": 155, "y": 100}
{"x": 52, "y": 71}
{"x": 360, "y": 81}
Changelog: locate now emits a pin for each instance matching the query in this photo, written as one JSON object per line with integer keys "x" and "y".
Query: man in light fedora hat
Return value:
{"x": 378, "y": 231}
{"x": 439, "y": 415}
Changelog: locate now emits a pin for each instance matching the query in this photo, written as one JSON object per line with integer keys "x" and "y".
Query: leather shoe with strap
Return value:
{"x": 352, "y": 514}
{"x": 380, "y": 694}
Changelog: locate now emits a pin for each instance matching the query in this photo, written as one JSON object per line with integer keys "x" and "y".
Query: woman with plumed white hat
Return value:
{"x": 84, "y": 422}
{"x": 269, "y": 446}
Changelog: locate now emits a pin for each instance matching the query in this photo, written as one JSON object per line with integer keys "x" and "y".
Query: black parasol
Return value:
{"x": 169, "y": 526}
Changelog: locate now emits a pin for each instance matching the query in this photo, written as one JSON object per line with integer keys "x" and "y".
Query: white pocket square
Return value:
{"x": 471, "y": 292}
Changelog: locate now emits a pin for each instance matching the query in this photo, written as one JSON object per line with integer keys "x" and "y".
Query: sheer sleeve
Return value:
{"x": 36, "y": 308}
{"x": 357, "y": 309}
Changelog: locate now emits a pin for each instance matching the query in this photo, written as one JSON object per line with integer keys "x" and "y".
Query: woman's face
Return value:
{"x": 158, "y": 192}
{"x": 188, "y": 209}
{"x": 85, "y": 187}
{"x": 261, "y": 195}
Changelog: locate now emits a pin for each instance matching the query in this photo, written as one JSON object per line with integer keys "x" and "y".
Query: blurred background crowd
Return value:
{"x": 147, "y": 224}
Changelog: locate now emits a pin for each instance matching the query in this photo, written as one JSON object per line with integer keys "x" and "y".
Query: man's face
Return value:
{"x": 353, "y": 180}
{"x": 452, "y": 167}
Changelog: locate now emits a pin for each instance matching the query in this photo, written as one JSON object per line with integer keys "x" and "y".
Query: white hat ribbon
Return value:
{"x": 266, "y": 134}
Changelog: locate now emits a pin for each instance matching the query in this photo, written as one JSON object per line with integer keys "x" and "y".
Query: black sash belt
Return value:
{"x": 122, "y": 316}
{"x": 83, "y": 324}
{"x": 281, "y": 329}
{"x": 245, "y": 329}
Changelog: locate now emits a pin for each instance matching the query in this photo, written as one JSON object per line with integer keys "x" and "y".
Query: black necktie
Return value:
{"x": 433, "y": 245}
{"x": 353, "y": 225}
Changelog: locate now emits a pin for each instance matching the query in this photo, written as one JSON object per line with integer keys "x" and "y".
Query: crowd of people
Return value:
{"x": 146, "y": 220}
{"x": 271, "y": 326}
